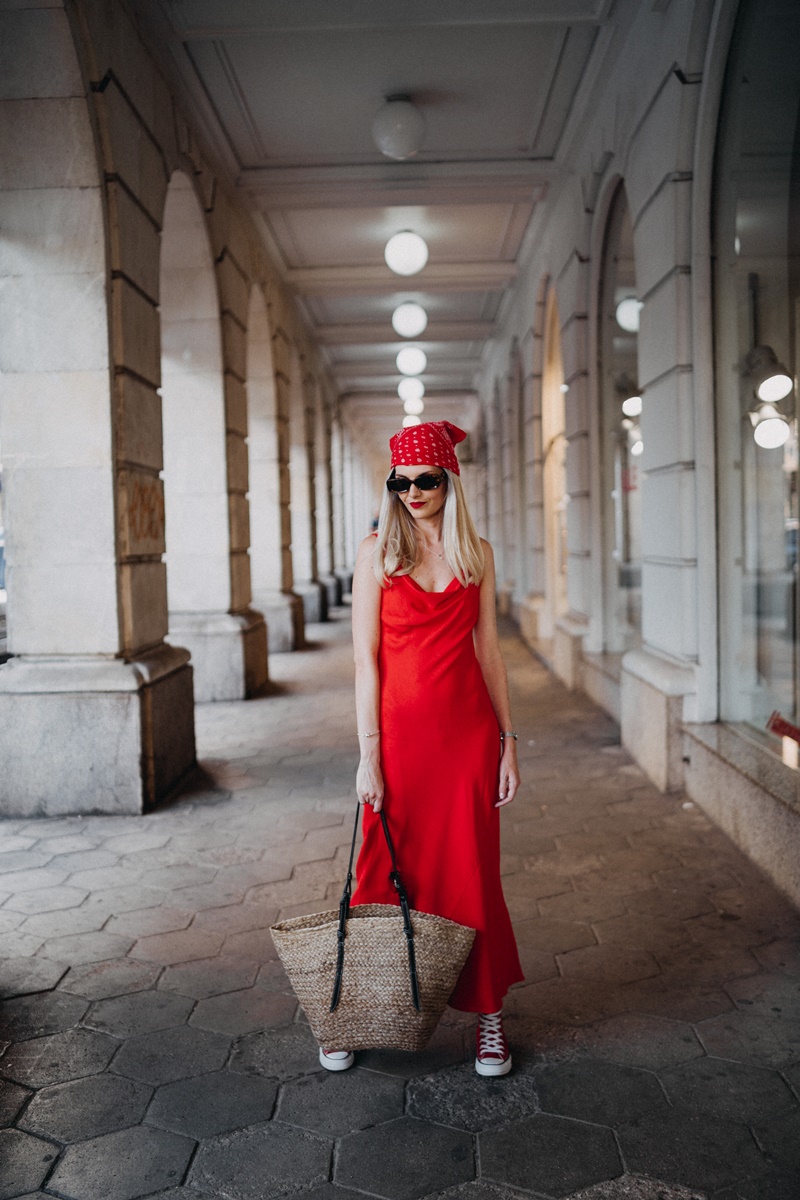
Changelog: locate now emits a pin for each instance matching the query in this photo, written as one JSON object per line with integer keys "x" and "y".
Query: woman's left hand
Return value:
{"x": 509, "y": 773}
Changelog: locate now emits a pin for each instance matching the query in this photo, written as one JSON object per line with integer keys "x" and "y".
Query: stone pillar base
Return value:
{"x": 652, "y": 693}
{"x": 567, "y": 647}
{"x": 345, "y": 578}
{"x": 333, "y": 591}
{"x": 94, "y": 735}
{"x": 315, "y": 600}
{"x": 229, "y": 652}
{"x": 284, "y": 616}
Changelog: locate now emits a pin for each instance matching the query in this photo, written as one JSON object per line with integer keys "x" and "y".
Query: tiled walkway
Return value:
{"x": 153, "y": 1048}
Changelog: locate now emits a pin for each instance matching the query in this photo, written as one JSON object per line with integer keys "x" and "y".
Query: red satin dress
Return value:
{"x": 440, "y": 758}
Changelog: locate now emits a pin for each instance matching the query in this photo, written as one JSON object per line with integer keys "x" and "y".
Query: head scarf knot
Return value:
{"x": 429, "y": 444}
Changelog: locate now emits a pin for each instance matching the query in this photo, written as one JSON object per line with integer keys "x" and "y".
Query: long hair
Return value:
{"x": 399, "y": 545}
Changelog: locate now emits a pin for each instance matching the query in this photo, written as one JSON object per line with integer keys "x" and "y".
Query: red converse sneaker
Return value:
{"x": 336, "y": 1060}
{"x": 493, "y": 1056}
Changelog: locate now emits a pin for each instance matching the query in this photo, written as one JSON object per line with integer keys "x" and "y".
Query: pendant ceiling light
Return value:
{"x": 411, "y": 360}
{"x": 415, "y": 407}
{"x": 406, "y": 253}
{"x": 411, "y": 388}
{"x": 632, "y": 407}
{"x": 409, "y": 320}
{"x": 399, "y": 127}
{"x": 410, "y": 420}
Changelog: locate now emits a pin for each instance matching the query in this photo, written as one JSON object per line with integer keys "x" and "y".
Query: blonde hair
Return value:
{"x": 399, "y": 545}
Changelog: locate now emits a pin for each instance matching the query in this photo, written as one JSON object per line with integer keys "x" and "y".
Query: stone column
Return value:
{"x": 301, "y": 469}
{"x": 324, "y": 501}
{"x": 96, "y": 712}
{"x": 340, "y": 562}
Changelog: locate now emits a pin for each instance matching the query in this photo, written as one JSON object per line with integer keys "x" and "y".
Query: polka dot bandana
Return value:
{"x": 430, "y": 444}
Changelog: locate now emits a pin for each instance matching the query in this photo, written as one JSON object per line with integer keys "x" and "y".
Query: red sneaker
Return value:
{"x": 493, "y": 1056}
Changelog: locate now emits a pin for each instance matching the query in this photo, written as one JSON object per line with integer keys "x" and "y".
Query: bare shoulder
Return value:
{"x": 366, "y": 547}
{"x": 488, "y": 554}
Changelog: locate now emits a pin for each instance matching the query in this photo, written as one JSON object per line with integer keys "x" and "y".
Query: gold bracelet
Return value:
{"x": 374, "y": 733}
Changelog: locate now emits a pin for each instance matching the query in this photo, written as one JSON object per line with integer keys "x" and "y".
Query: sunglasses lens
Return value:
{"x": 425, "y": 483}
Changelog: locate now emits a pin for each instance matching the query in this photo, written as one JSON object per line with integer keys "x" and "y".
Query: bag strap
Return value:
{"x": 344, "y": 912}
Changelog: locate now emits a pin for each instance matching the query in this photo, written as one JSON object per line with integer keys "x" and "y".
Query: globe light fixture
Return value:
{"x": 627, "y": 314}
{"x": 771, "y": 433}
{"x": 632, "y": 407}
{"x": 409, "y": 320}
{"x": 415, "y": 407}
{"x": 406, "y": 253}
{"x": 410, "y": 420}
{"x": 637, "y": 448}
{"x": 411, "y": 388}
{"x": 411, "y": 360}
{"x": 399, "y": 127}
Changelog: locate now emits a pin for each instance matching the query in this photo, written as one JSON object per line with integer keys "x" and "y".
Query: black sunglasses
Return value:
{"x": 425, "y": 483}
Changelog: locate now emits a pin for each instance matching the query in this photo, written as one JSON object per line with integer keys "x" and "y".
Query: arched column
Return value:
{"x": 96, "y": 712}
{"x": 268, "y": 453}
{"x": 205, "y": 470}
{"x": 554, "y": 490}
{"x": 323, "y": 492}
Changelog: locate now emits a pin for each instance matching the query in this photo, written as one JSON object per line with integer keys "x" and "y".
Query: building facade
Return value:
{"x": 184, "y": 483}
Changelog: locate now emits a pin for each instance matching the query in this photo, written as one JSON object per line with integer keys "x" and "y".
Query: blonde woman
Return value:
{"x": 434, "y": 725}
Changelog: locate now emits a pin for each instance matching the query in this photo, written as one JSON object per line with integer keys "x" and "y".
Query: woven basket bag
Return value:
{"x": 376, "y": 976}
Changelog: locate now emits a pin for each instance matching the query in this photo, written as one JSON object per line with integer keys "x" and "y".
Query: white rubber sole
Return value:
{"x": 336, "y": 1064}
{"x": 493, "y": 1068}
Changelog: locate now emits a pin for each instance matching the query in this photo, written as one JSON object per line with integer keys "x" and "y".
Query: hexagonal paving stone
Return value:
{"x": 555, "y": 937}
{"x": 464, "y": 1100}
{"x": 432, "y": 1157}
{"x": 171, "y": 1054}
{"x": 181, "y": 946}
{"x": 780, "y": 1140}
{"x": 37, "y": 1016}
{"x": 603, "y": 1093}
{"x": 729, "y": 1090}
{"x": 58, "y": 1057}
{"x": 280, "y": 1053}
{"x": 615, "y": 964}
{"x": 24, "y": 976}
{"x": 97, "y": 981}
{"x": 691, "y": 1149}
{"x": 746, "y": 1037}
{"x": 26, "y": 1161}
{"x": 582, "y": 906}
{"x": 780, "y": 1185}
{"x": 12, "y": 1098}
{"x": 139, "y": 1012}
{"x": 123, "y": 1165}
{"x": 781, "y": 955}
{"x": 243, "y": 1012}
{"x": 659, "y": 997}
{"x": 549, "y": 1154}
{"x": 209, "y": 976}
{"x": 337, "y": 1104}
{"x": 140, "y": 922}
{"x": 478, "y": 1189}
{"x": 263, "y": 1160}
{"x": 47, "y": 899}
{"x": 767, "y": 995}
{"x": 236, "y": 918}
{"x": 215, "y": 1103}
{"x": 70, "y": 1112}
{"x": 638, "y": 1041}
{"x": 637, "y": 1187}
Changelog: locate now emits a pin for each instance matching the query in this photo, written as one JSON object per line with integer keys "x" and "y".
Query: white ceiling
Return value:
{"x": 291, "y": 87}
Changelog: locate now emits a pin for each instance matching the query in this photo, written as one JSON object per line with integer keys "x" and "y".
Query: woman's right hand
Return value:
{"x": 369, "y": 783}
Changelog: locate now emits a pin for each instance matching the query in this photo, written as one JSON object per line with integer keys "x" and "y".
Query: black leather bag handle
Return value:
{"x": 344, "y": 912}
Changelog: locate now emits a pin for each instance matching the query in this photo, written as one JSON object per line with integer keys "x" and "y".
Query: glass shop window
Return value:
{"x": 756, "y": 227}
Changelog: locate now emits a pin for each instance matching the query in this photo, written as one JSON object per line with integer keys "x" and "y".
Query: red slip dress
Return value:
{"x": 440, "y": 758}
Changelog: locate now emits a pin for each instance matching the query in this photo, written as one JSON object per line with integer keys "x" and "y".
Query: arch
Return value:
{"x": 619, "y": 434}
{"x": 554, "y": 490}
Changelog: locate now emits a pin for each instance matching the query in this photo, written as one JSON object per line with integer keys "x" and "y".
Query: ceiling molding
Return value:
{"x": 381, "y": 332}
{"x": 375, "y": 280}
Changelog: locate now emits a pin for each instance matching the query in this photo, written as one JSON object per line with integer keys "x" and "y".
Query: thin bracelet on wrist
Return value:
{"x": 374, "y": 733}
{"x": 508, "y": 733}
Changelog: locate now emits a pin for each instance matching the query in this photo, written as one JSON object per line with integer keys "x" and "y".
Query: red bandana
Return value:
{"x": 430, "y": 444}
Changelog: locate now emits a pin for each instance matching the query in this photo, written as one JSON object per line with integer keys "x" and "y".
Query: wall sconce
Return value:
{"x": 771, "y": 383}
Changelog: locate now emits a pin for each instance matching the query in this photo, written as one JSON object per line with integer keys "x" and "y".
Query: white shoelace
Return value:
{"x": 491, "y": 1038}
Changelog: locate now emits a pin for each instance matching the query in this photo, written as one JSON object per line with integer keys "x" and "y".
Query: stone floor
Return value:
{"x": 153, "y": 1047}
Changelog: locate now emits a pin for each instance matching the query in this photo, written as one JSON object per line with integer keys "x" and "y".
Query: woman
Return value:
{"x": 434, "y": 723}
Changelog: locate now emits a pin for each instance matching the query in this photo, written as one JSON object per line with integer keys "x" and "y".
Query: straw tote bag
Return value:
{"x": 374, "y": 976}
